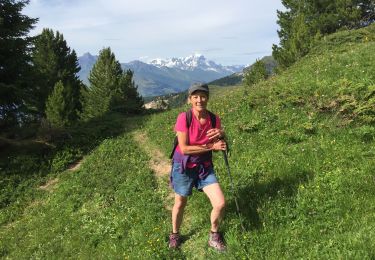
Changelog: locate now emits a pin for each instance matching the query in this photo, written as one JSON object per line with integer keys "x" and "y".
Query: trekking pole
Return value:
{"x": 232, "y": 187}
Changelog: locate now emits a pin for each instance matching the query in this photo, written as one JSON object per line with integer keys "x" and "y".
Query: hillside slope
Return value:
{"x": 302, "y": 156}
{"x": 236, "y": 78}
{"x": 106, "y": 209}
{"x": 302, "y": 159}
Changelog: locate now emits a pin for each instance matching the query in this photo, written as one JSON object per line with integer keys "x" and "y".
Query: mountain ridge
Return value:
{"x": 194, "y": 61}
{"x": 165, "y": 76}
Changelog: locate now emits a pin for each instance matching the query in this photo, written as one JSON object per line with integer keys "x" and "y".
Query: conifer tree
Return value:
{"x": 133, "y": 101}
{"x": 305, "y": 20}
{"x": 104, "y": 80}
{"x": 256, "y": 73}
{"x": 110, "y": 89}
{"x": 56, "y": 107}
{"x": 54, "y": 61}
{"x": 15, "y": 45}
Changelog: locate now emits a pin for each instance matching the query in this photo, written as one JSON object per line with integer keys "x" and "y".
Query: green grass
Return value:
{"x": 107, "y": 209}
{"x": 302, "y": 159}
{"x": 27, "y": 164}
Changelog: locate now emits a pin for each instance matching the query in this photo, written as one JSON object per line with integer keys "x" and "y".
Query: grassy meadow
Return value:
{"x": 105, "y": 209}
{"x": 302, "y": 156}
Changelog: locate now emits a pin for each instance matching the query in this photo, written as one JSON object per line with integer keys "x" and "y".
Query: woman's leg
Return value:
{"x": 216, "y": 196}
{"x": 178, "y": 212}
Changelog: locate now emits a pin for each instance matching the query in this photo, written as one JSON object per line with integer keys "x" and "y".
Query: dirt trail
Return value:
{"x": 75, "y": 166}
{"x": 51, "y": 184}
{"x": 158, "y": 163}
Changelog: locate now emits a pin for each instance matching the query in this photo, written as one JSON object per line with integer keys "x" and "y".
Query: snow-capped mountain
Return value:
{"x": 195, "y": 61}
{"x": 164, "y": 76}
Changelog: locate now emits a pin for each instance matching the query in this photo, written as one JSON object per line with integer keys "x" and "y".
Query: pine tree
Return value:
{"x": 133, "y": 101}
{"x": 304, "y": 20}
{"x": 56, "y": 107}
{"x": 110, "y": 89}
{"x": 297, "y": 45}
{"x": 256, "y": 73}
{"x": 104, "y": 81}
{"x": 328, "y": 16}
{"x": 53, "y": 62}
{"x": 15, "y": 45}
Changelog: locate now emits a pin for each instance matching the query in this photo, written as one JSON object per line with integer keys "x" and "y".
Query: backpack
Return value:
{"x": 189, "y": 117}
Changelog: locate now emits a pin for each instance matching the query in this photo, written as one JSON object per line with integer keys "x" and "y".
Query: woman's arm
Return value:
{"x": 197, "y": 149}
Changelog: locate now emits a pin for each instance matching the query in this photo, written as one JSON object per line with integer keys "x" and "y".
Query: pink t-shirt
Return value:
{"x": 197, "y": 132}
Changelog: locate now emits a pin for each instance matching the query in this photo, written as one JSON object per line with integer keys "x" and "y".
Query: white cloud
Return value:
{"x": 163, "y": 28}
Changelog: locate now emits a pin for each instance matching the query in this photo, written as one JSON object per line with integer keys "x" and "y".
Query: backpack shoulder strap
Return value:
{"x": 189, "y": 117}
{"x": 213, "y": 119}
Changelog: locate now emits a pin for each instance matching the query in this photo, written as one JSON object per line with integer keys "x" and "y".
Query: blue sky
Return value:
{"x": 227, "y": 32}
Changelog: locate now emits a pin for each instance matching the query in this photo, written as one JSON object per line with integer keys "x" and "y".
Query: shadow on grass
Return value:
{"x": 39, "y": 151}
{"x": 251, "y": 198}
{"x": 184, "y": 237}
{"x": 187, "y": 236}
{"x": 28, "y": 163}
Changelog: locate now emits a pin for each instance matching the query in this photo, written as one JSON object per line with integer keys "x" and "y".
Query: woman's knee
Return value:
{"x": 219, "y": 205}
{"x": 180, "y": 202}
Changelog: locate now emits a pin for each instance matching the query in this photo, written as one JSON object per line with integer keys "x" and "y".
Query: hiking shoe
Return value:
{"x": 174, "y": 240}
{"x": 216, "y": 241}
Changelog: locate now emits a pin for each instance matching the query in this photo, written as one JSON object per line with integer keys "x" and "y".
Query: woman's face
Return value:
{"x": 199, "y": 100}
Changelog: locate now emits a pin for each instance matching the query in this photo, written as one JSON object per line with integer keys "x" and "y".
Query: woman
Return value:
{"x": 192, "y": 164}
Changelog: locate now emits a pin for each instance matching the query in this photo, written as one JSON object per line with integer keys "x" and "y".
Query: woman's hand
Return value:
{"x": 220, "y": 145}
{"x": 215, "y": 133}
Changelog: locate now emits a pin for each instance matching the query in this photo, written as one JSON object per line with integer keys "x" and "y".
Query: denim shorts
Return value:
{"x": 183, "y": 182}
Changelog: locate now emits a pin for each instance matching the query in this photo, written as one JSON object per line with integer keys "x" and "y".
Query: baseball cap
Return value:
{"x": 198, "y": 86}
